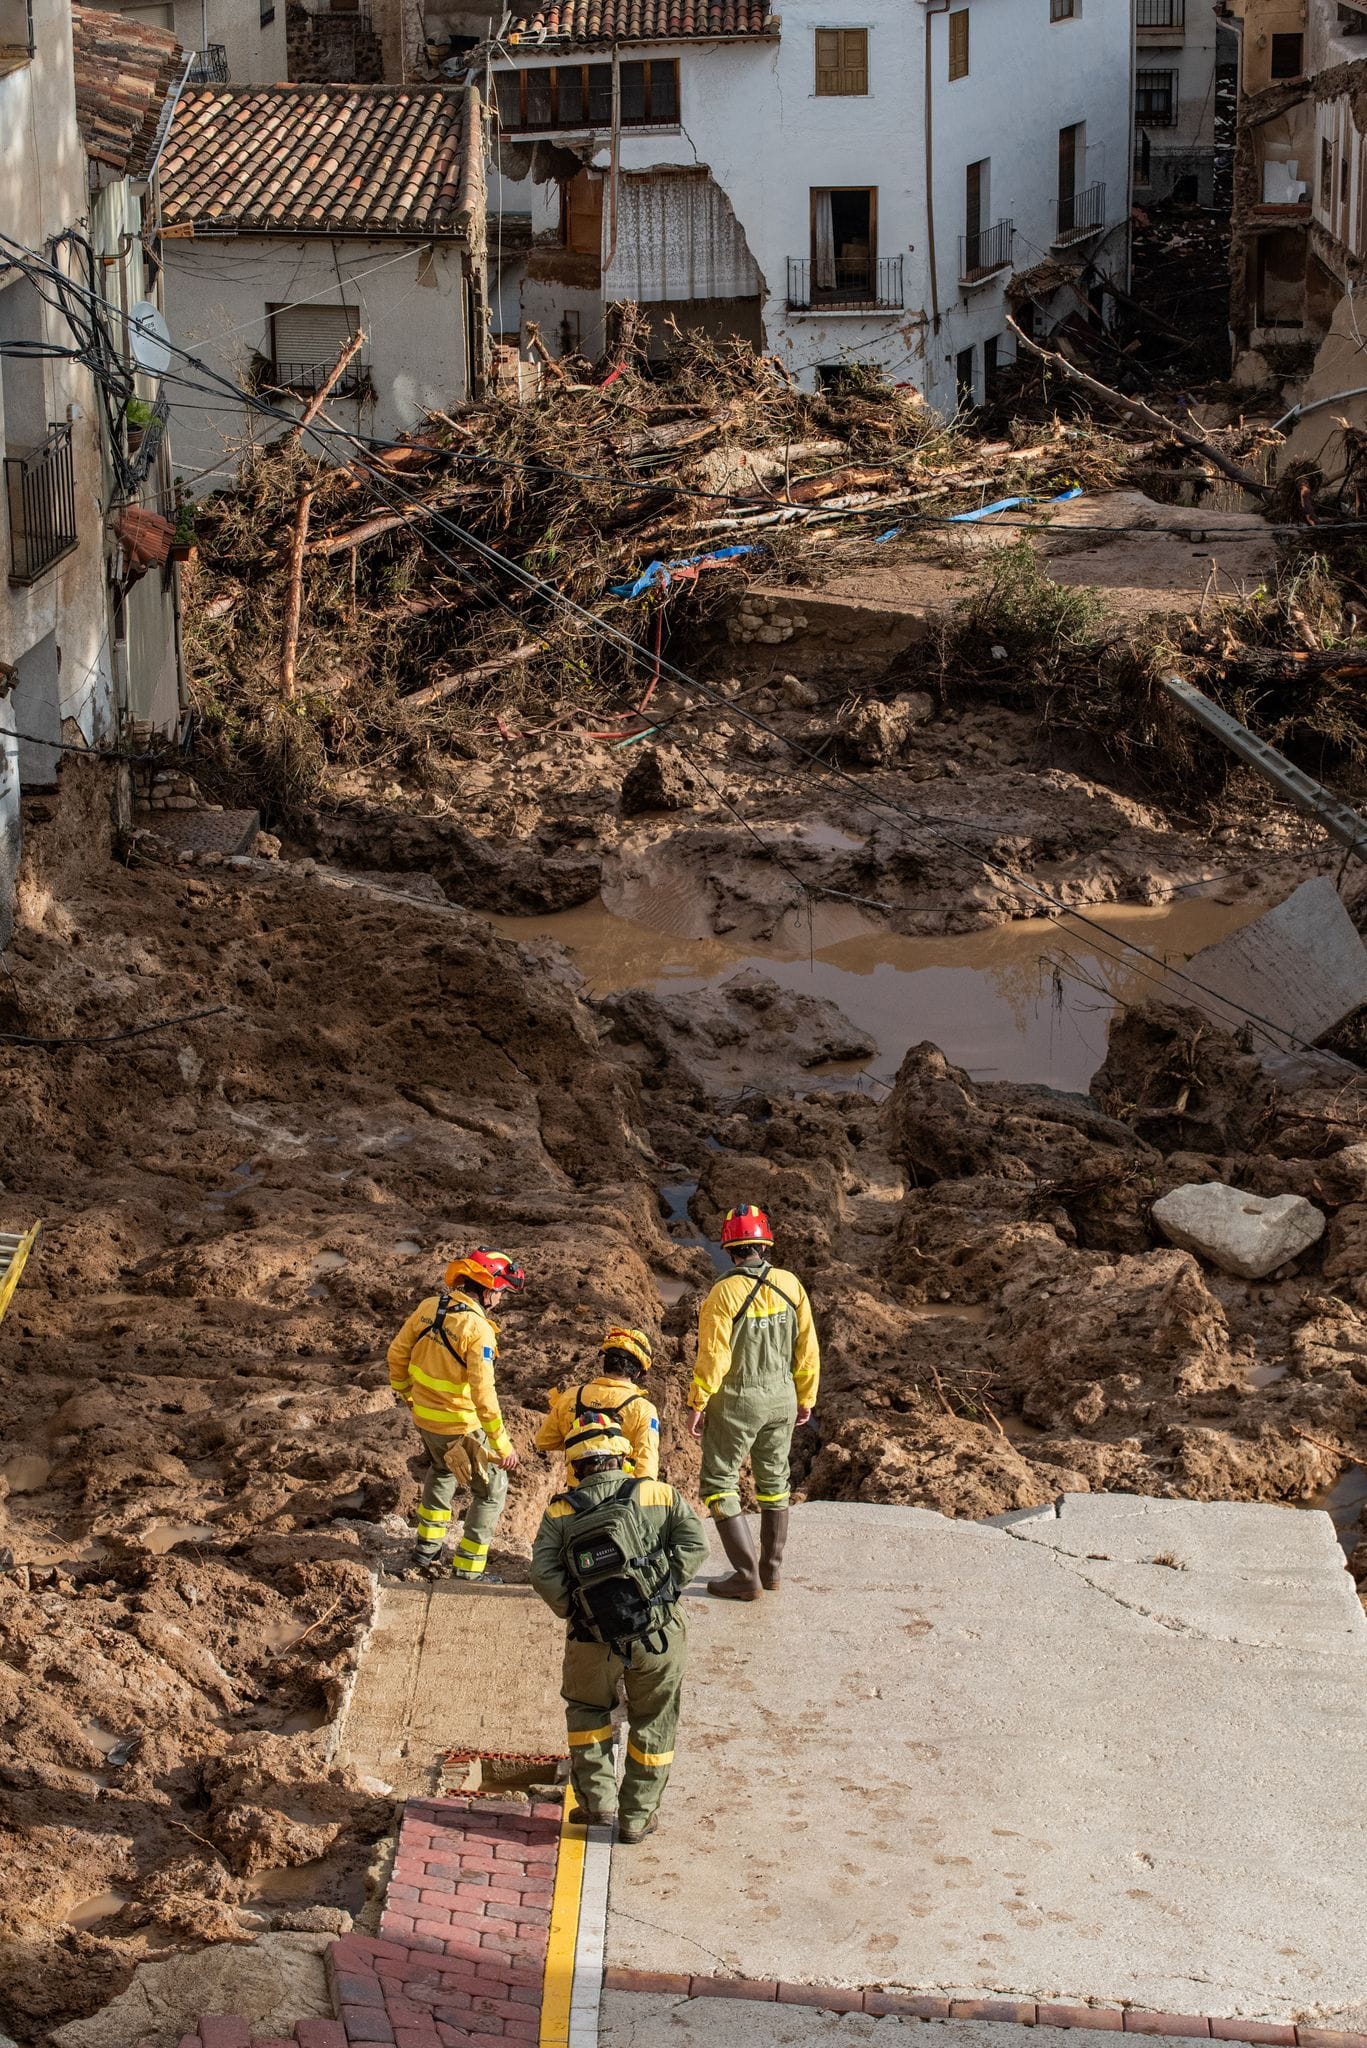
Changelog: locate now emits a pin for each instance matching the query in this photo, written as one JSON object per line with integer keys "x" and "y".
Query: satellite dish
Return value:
{"x": 150, "y": 338}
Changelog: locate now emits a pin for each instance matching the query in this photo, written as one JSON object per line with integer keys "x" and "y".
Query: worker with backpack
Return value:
{"x": 616, "y": 1392}
{"x": 441, "y": 1366}
{"x": 611, "y": 1558}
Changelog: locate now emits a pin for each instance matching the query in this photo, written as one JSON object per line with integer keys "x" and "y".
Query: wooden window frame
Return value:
{"x": 959, "y": 48}
{"x": 1064, "y": 10}
{"x": 649, "y": 66}
{"x": 872, "y": 191}
{"x": 841, "y": 70}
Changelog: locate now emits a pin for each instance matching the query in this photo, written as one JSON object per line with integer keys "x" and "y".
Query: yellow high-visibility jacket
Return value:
{"x": 450, "y": 1392}
{"x": 778, "y": 1336}
{"x": 638, "y": 1421}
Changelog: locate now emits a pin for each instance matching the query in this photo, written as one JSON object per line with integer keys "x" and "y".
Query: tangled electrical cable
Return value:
{"x": 944, "y": 829}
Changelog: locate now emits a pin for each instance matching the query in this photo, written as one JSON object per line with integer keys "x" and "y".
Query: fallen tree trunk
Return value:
{"x": 1136, "y": 406}
{"x": 446, "y": 686}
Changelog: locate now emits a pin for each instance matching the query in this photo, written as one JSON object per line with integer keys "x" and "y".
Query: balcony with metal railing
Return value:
{"x": 1161, "y": 21}
{"x": 1080, "y": 214}
{"x": 985, "y": 251}
{"x": 303, "y": 379}
{"x": 40, "y": 491}
{"x": 209, "y": 66}
{"x": 844, "y": 285}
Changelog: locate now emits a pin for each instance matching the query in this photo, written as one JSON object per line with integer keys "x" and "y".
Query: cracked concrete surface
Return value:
{"x": 1112, "y": 1751}
{"x": 633, "y": 2020}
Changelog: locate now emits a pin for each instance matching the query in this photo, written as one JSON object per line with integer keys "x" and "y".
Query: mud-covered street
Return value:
{"x": 205, "y": 1468}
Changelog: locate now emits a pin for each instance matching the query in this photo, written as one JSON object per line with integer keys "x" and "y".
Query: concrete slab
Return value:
{"x": 1025, "y": 1760}
{"x": 644, "y": 2020}
{"x": 1301, "y": 966}
{"x": 448, "y": 1667}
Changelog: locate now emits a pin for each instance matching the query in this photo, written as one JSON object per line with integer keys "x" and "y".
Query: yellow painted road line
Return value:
{"x": 558, "y": 1982}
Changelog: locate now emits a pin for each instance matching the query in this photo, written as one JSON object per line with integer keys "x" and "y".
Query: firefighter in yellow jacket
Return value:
{"x": 441, "y": 1365}
{"x": 615, "y": 1392}
{"x": 755, "y": 1380}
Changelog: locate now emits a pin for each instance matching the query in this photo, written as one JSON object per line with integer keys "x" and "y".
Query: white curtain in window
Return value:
{"x": 678, "y": 239}
{"x": 823, "y": 242}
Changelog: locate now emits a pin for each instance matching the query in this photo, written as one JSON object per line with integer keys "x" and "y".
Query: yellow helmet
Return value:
{"x": 595, "y": 1435}
{"x": 635, "y": 1342}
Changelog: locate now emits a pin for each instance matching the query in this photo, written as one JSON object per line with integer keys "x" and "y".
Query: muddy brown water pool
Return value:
{"x": 1028, "y": 1001}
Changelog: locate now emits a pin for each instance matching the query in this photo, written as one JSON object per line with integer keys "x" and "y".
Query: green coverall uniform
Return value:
{"x": 652, "y": 1677}
{"x": 758, "y": 1363}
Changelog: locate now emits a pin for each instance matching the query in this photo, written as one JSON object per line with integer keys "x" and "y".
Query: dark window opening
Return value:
{"x": 1155, "y": 98}
{"x": 991, "y": 368}
{"x": 580, "y": 96}
{"x": 963, "y": 379}
{"x": 1286, "y": 56}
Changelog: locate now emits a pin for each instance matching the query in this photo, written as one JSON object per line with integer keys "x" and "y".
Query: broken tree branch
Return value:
{"x": 1136, "y": 406}
{"x": 294, "y": 594}
{"x": 447, "y": 685}
{"x": 320, "y": 396}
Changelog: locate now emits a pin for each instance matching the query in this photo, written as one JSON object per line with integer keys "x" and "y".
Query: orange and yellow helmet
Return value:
{"x": 634, "y": 1342}
{"x": 494, "y": 1270}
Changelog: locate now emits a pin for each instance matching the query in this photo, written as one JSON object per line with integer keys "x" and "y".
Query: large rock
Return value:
{"x": 271, "y": 1983}
{"x": 877, "y": 732}
{"x": 1249, "y": 1235}
{"x": 659, "y": 779}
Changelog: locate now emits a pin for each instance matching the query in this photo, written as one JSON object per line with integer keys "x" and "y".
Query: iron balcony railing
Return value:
{"x": 1161, "y": 13}
{"x": 985, "y": 250}
{"x": 305, "y": 378}
{"x": 40, "y": 489}
{"x": 209, "y": 66}
{"x": 872, "y": 281}
{"x": 1081, "y": 213}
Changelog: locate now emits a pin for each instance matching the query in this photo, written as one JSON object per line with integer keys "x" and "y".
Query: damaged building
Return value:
{"x": 839, "y": 194}
{"x": 1300, "y": 208}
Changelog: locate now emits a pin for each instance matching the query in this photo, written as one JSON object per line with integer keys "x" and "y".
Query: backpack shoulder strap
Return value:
{"x": 437, "y": 1327}
{"x": 581, "y": 1407}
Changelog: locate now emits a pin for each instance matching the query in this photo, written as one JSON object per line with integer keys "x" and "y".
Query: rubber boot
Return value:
{"x": 737, "y": 1540}
{"x": 773, "y": 1535}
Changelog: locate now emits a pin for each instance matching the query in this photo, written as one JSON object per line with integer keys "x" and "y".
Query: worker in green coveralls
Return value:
{"x": 611, "y": 1557}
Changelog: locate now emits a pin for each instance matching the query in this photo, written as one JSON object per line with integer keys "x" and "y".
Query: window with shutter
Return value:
{"x": 958, "y": 43}
{"x": 307, "y": 340}
{"x": 842, "y": 62}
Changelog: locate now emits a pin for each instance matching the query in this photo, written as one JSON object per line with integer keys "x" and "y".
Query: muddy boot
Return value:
{"x": 737, "y": 1540}
{"x": 585, "y": 1817}
{"x": 632, "y": 1832}
{"x": 427, "y": 1554}
{"x": 773, "y": 1534}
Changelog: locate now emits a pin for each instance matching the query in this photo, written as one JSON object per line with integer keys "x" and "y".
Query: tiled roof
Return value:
{"x": 329, "y": 159}
{"x": 640, "y": 21}
{"x": 124, "y": 71}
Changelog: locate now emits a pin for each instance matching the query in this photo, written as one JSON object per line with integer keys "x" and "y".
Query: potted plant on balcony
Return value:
{"x": 183, "y": 544}
{"x": 137, "y": 418}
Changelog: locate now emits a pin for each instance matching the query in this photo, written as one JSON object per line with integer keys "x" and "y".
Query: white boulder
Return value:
{"x": 1249, "y": 1235}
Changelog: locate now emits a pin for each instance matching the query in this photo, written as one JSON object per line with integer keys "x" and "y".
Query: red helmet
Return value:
{"x": 494, "y": 1270}
{"x": 746, "y": 1225}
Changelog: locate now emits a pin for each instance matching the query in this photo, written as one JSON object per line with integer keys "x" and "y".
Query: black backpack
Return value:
{"x": 621, "y": 1581}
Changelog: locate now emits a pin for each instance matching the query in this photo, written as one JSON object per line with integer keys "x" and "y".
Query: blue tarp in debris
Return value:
{"x": 989, "y": 511}
{"x": 660, "y": 572}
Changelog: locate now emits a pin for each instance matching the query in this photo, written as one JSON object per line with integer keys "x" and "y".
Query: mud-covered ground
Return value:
{"x": 206, "y": 1468}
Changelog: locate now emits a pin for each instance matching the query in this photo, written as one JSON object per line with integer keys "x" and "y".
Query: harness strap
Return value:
{"x": 437, "y": 1327}
{"x": 763, "y": 1281}
{"x": 581, "y": 1408}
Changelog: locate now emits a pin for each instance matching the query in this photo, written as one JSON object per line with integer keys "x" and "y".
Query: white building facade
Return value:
{"x": 242, "y": 42}
{"x": 294, "y": 218}
{"x": 856, "y": 183}
{"x": 88, "y": 643}
{"x": 1180, "y": 46}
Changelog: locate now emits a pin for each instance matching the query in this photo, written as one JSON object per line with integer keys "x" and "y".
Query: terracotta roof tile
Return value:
{"x": 640, "y": 21}
{"x": 124, "y": 71}
{"x": 325, "y": 158}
